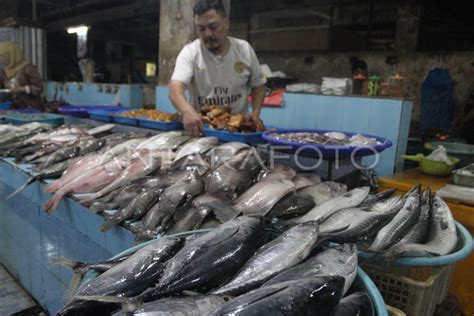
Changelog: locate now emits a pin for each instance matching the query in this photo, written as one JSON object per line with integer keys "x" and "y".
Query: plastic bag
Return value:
{"x": 440, "y": 154}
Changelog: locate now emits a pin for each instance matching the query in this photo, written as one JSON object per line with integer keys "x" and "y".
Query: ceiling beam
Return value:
{"x": 144, "y": 7}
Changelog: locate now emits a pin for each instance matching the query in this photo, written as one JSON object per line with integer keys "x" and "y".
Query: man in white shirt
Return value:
{"x": 216, "y": 69}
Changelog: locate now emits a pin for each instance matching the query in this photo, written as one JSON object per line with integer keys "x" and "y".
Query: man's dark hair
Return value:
{"x": 202, "y": 6}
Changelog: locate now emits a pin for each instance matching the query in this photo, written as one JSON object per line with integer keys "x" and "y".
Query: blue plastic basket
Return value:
{"x": 226, "y": 136}
{"x": 159, "y": 125}
{"x": 101, "y": 115}
{"x": 5, "y": 105}
{"x": 124, "y": 120}
{"x": 363, "y": 281}
{"x": 327, "y": 151}
{"x": 84, "y": 110}
{"x": 464, "y": 249}
{"x": 18, "y": 118}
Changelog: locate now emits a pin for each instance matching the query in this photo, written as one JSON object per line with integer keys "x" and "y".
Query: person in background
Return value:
{"x": 21, "y": 78}
{"x": 216, "y": 69}
{"x": 358, "y": 66}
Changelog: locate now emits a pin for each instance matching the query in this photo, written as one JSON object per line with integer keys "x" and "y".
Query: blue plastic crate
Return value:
{"x": 160, "y": 125}
{"x": 23, "y": 118}
{"x": 84, "y": 110}
{"x": 5, "y": 105}
{"x": 101, "y": 115}
{"x": 120, "y": 119}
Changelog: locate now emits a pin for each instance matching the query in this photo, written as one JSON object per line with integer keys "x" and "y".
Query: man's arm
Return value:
{"x": 258, "y": 95}
{"x": 191, "y": 118}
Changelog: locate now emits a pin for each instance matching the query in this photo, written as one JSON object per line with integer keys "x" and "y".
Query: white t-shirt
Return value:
{"x": 219, "y": 80}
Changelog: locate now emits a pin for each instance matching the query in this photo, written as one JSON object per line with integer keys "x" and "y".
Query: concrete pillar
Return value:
{"x": 176, "y": 30}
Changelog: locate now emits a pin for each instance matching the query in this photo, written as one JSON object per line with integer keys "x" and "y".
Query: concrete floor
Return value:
{"x": 13, "y": 298}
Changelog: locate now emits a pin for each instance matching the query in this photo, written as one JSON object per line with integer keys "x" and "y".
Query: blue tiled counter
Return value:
{"x": 388, "y": 118}
{"x": 30, "y": 238}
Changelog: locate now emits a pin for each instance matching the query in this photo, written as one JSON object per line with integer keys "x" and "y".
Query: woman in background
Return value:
{"x": 21, "y": 78}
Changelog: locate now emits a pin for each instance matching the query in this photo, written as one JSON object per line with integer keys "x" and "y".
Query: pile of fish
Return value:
{"x": 171, "y": 182}
{"x": 329, "y": 138}
{"x": 236, "y": 269}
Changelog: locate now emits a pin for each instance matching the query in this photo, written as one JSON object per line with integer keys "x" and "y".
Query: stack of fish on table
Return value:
{"x": 171, "y": 182}
{"x": 264, "y": 251}
{"x": 239, "y": 268}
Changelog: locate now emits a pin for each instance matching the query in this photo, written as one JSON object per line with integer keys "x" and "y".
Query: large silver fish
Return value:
{"x": 362, "y": 223}
{"x": 262, "y": 196}
{"x": 130, "y": 277}
{"x": 210, "y": 259}
{"x": 442, "y": 238}
{"x": 400, "y": 224}
{"x": 420, "y": 231}
{"x": 222, "y": 153}
{"x": 326, "y": 209}
{"x": 289, "y": 249}
{"x": 158, "y": 217}
{"x": 307, "y": 297}
{"x": 196, "y": 146}
{"x": 339, "y": 260}
{"x": 324, "y": 191}
{"x": 235, "y": 176}
{"x": 164, "y": 141}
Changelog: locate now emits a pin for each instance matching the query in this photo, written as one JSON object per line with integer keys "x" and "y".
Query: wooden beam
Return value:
{"x": 145, "y": 7}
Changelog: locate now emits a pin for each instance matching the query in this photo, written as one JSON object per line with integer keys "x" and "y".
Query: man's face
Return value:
{"x": 212, "y": 29}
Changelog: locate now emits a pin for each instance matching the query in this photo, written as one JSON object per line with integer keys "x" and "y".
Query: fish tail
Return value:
{"x": 53, "y": 203}
{"x": 79, "y": 270}
{"x": 111, "y": 223}
{"x": 27, "y": 183}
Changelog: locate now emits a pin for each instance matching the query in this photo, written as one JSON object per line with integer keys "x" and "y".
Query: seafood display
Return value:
{"x": 328, "y": 138}
{"x": 311, "y": 281}
{"x": 280, "y": 241}
{"x": 153, "y": 115}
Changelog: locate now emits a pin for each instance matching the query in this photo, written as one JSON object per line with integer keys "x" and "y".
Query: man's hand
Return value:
{"x": 254, "y": 116}
{"x": 193, "y": 123}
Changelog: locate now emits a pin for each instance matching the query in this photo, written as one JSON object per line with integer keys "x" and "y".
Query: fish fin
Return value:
{"x": 79, "y": 270}
{"x": 224, "y": 213}
{"x": 53, "y": 203}
{"x": 28, "y": 182}
{"x": 111, "y": 223}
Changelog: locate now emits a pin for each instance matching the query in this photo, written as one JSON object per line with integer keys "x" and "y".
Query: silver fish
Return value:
{"x": 358, "y": 303}
{"x": 442, "y": 238}
{"x": 278, "y": 172}
{"x": 191, "y": 221}
{"x": 400, "y": 224}
{"x": 235, "y": 176}
{"x": 339, "y": 260}
{"x": 289, "y": 249}
{"x": 419, "y": 232}
{"x": 326, "y": 209}
{"x": 324, "y": 191}
{"x": 210, "y": 259}
{"x": 309, "y": 297}
{"x": 361, "y": 222}
{"x": 159, "y": 216}
{"x": 130, "y": 277}
{"x": 163, "y": 141}
{"x": 262, "y": 196}
{"x": 196, "y": 146}
{"x": 222, "y": 153}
